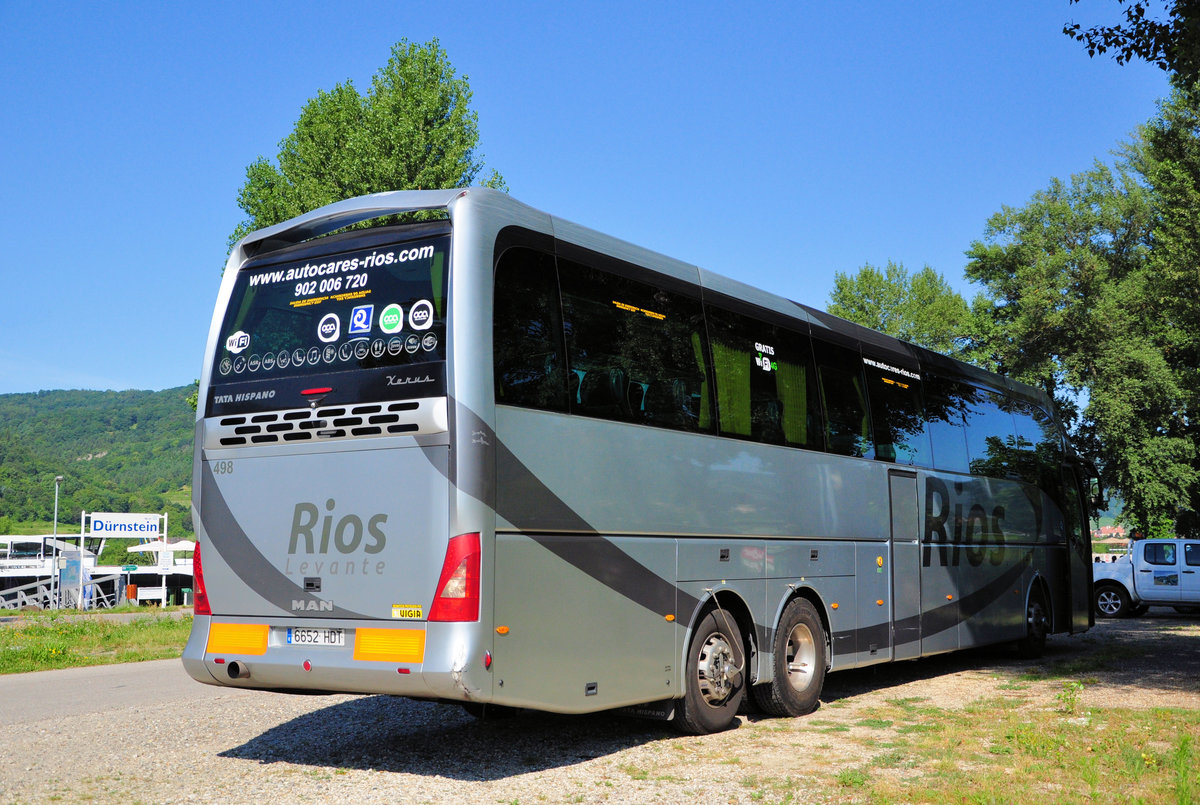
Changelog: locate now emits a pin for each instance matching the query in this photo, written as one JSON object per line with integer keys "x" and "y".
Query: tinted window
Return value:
{"x": 1191, "y": 553}
{"x": 897, "y": 412}
{"x": 530, "y": 368}
{"x": 990, "y": 435}
{"x": 362, "y": 308}
{"x": 637, "y": 352}
{"x": 766, "y": 386}
{"x": 844, "y": 392}
{"x": 369, "y": 320}
{"x": 1038, "y": 451}
{"x": 946, "y": 404}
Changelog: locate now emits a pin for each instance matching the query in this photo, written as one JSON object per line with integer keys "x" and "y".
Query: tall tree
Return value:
{"x": 413, "y": 130}
{"x": 1169, "y": 159}
{"x": 919, "y": 308}
{"x": 1171, "y": 42}
{"x": 1081, "y": 303}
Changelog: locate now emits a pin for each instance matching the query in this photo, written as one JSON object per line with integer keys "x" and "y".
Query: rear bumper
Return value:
{"x": 451, "y": 663}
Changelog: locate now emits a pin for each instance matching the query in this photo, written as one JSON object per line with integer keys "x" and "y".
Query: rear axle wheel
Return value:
{"x": 799, "y": 660}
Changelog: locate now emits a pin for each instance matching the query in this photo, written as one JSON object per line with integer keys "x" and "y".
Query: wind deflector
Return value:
{"x": 339, "y": 215}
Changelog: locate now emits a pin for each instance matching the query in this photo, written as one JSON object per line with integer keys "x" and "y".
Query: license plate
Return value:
{"x": 316, "y": 637}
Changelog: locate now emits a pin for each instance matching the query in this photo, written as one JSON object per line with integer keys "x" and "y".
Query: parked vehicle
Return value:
{"x": 1155, "y": 572}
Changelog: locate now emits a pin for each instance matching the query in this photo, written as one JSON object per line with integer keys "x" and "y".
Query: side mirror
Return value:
{"x": 1095, "y": 492}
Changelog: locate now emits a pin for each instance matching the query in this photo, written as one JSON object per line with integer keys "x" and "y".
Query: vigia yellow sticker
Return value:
{"x": 408, "y": 612}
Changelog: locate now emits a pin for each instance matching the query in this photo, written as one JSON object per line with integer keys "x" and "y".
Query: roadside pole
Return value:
{"x": 80, "y": 602}
{"x": 54, "y": 575}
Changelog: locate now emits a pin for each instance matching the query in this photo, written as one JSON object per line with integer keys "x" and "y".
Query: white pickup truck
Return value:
{"x": 1155, "y": 572}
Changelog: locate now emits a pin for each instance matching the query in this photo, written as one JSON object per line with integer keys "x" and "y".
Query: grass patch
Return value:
{"x": 990, "y": 703}
{"x": 43, "y": 642}
{"x": 874, "y": 723}
{"x": 998, "y": 753}
{"x": 851, "y": 778}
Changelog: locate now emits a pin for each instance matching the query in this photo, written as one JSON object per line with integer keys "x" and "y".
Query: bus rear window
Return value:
{"x": 359, "y": 310}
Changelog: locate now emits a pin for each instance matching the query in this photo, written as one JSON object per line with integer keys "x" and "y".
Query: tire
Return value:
{"x": 799, "y": 660}
{"x": 1112, "y": 601}
{"x": 483, "y": 711}
{"x": 1139, "y": 610}
{"x": 1037, "y": 627}
{"x": 716, "y": 676}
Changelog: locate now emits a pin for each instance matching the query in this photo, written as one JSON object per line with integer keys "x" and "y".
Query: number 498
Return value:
{"x": 222, "y": 468}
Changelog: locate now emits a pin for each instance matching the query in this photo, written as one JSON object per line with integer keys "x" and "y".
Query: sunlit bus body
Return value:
{"x": 500, "y": 459}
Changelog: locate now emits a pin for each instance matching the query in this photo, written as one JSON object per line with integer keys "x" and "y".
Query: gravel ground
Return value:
{"x": 255, "y": 747}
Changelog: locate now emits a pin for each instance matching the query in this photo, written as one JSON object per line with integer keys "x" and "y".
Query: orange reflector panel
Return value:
{"x": 237, "y": 638}
{"x": 390, "y": 645}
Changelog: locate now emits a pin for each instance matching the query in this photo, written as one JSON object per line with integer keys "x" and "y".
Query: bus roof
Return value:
{"x": 464, "y": 203}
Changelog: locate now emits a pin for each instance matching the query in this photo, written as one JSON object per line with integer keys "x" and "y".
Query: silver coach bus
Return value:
{"x": 488, "y": 456}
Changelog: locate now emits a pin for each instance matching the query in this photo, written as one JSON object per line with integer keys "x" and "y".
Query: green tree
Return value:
{"x": 1171, "y": 42}
{"x": 413, "y": 130}
{"x": 1087, "y": 299}
{"x": 919, "y": 308}
{"x": 1169, "y": 159}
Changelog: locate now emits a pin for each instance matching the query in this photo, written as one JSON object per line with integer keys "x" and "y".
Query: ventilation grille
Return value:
{"x": 299, "y": 425}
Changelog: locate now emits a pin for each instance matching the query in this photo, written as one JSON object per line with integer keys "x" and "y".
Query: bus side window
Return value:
{"x": 945, "y": 411}
{"x": 766, "y": 385}
{"x": 899, "y": 418}
{"x": 844, "y": 392}
{"x": 527, "y": 332}
{"x": 639, "y": 351}
{"x": 991, "y": 435}
{"x": 1039, "y": 451}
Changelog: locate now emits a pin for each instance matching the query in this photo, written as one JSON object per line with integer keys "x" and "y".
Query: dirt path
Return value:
{"x": 240, "y": 746}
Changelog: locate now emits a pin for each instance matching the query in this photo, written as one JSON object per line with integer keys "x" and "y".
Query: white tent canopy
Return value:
{"x": 158, "y": 546}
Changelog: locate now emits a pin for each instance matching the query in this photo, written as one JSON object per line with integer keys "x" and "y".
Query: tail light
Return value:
{"x": 457, "y": 597}
{"x": 200, "y": 595}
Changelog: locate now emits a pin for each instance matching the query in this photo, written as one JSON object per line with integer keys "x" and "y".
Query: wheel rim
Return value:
{"x": 1108, "y": 602}
{"x": 1038, "y": 625}
{"x": 716, "y": 670}
{"x": 801, "y": 657}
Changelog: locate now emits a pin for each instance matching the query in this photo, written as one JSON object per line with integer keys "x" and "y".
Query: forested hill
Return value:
{"x": 116, "y": 450}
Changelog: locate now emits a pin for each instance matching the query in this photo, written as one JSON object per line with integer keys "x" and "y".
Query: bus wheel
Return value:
{"x": 1112, "y": 601}
{"x": 488, "y": 712}
{"x": 1037, "y": 620}
{"x": 799, "y": 663}
{"x": 715, "y": 676}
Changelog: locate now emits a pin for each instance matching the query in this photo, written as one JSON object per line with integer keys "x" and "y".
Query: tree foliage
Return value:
{"x": 1171, "y": 42}
{"x": 919, "y": 308}
{"x": 413, "y": 130}
{"x": 1169, "y": 159}
{"x": 1091, "y": 290}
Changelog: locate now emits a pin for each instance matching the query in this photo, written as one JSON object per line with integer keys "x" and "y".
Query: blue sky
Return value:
{"x": 774, "y": 143}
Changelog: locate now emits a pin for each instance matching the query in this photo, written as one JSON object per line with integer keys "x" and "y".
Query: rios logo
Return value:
{"x": 345, "y": 536}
